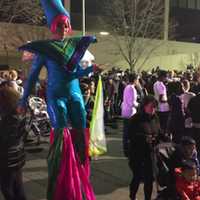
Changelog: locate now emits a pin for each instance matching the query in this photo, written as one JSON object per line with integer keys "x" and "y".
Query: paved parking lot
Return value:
{"x": 110, "y": 173}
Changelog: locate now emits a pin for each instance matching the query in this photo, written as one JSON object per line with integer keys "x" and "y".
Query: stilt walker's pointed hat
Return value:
{"x": 67, "y": 52}
{"x": 55, "y": 13}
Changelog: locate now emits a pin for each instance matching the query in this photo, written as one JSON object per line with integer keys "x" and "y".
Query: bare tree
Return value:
{"x": 28, "y": 11}
{"x": 135, "y": 25}
{"x": 18, "y": 11}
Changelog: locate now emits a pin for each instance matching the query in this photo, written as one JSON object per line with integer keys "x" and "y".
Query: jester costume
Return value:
{"x": 68, "y": 177}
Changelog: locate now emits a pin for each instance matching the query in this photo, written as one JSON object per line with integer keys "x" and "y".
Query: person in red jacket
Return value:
{"x": 187, "y": 183}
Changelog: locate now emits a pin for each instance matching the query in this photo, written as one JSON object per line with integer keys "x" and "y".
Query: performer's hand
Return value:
{"x": 69, "y": 28}
{"x": 21, "y": 110}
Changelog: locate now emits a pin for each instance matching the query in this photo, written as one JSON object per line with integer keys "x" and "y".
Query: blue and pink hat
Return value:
{"x": 55, "y": 13}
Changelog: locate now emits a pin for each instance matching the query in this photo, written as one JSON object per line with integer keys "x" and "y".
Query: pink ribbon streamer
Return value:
{"x": 73, "y": 177}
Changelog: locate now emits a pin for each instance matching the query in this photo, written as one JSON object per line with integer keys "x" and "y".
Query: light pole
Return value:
{"x": 166, "y": 20}
{"x": 83, "y": 17}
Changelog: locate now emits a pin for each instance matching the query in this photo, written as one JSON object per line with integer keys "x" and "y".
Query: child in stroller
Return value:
{"x": 168, "y": 157}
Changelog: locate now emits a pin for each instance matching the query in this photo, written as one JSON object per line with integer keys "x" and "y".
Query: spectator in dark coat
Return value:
{"x": 88, "y": 100}
{"x": 109, "y": 100}
{"x": 194, "y": 110}
{"x": 176, "y": 120}
{"x": 143, "y": 131}
{"x": 12, "y": 155}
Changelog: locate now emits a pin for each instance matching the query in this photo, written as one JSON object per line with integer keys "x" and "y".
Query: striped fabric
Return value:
{"x": 67, "y": 52}
{"x": 68, "y": 179}
{"x": 12, "y": 154}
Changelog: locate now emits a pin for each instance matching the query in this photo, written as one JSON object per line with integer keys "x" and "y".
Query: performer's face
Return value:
{"x": 63, "y": 30}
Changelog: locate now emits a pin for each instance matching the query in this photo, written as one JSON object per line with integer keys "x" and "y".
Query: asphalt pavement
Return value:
{"x": 110, "y": 174}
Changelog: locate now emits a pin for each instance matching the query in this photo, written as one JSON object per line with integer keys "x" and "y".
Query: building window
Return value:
{"x": 192, "y": 4}
{"x": 198, "y": 4}
{"x": 183, "y": 3}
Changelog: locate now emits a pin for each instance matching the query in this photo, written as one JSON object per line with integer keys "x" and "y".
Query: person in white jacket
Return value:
{"x": 160, "y": 94}
{"x": 129, "y": 106}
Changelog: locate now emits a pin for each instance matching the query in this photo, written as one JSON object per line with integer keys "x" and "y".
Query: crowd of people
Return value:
{"x": 161, "y": 106}
{"x": 157, "y": 107}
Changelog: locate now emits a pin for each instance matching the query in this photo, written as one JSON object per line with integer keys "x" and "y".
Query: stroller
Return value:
{"x": 38, "y": 123}
{"x": 163, "y": 173}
